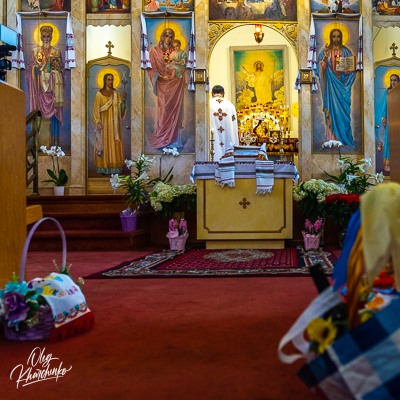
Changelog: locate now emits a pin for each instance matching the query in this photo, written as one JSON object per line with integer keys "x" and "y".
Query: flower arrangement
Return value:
{"x": 340, "y": 207}
{"x": 62, "y": 178}
{"x": 169, "y": 198}
{"x": 311, "y": 196}
{"x": 177, "y": 230}
{"x": 173, "y": 152}
{"x": 18, "y": 304}
{"x": 322, "y": 333}
{"x": 353, "y": 175}
{"x": 332, "y": 144}
{"x": 136, "y": 184}
{"x": 314, "y": 229}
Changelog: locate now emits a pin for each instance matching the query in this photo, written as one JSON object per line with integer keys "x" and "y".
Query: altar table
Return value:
{"x": 235, "y": 217}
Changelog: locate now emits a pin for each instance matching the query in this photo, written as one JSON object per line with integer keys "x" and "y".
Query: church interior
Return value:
{"x": 198, "y": 199}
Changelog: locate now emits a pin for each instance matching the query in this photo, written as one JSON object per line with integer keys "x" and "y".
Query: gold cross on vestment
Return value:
{"x": 221, "y": 129}
{"x": 244, "y": 202}
{"x": 394, "y": 48}
{"x": 221, "y": 144}
{"x": 110, "y": 46}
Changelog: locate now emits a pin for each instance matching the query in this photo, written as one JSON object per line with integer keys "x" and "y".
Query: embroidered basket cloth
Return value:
{"x": 66, "y": 311}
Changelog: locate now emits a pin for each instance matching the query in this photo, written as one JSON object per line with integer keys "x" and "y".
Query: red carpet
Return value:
{"x": 178, "y": 339}
{"x": 219, "y": 263}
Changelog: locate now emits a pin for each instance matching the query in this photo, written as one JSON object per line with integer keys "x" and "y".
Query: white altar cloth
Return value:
{"x": 243, "y": 170}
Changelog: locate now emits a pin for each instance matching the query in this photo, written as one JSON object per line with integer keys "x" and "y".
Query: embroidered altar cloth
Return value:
{"x": 243, "y": 170}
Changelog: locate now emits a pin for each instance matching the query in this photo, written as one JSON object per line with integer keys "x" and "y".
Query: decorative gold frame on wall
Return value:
{"x": 104, "y": 182}
{"x": 233, "y": 49}
{"x": 305, "y": 76}
{"x": 350, "y": 18}
{"x": 144, "y": 77}
{"x": 18, "y": 72}
{"x": 217, "y": 29}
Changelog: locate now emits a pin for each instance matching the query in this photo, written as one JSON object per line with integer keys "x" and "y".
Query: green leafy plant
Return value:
{"x": 55, "y": 153}
{"x": 310, "y": 196}
{"x": 353, "y": 175}
{"x": 340, "y": 207}
{"x": 137, "y": 184}
{"x": 170, "y": 199}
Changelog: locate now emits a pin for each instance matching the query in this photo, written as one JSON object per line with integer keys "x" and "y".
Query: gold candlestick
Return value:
{"x": 212, "y": 152}
{"x": 281, "y": 151}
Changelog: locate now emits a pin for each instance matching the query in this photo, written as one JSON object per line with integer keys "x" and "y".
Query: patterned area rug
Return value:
{"x": 211, "y": 263}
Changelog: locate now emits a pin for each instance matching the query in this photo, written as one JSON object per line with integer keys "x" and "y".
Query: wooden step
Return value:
{"x": 88, "y": 240}
{"x": 89, "y": 214}
{"x": 81, "y": 221}
{"x": 79, "y": 204}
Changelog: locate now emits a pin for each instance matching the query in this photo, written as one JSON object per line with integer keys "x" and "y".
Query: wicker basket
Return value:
{"x": 43, "y": 329}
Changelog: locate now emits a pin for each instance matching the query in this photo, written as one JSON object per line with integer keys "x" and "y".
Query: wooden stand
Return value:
{"x": 12, "y": 180}
{"x": 238, "y": 218}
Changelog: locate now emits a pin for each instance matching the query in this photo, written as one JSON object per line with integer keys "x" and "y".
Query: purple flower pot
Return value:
{"x": 129, "y": 222}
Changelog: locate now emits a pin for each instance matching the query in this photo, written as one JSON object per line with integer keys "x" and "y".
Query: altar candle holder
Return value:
{"x": 39, "y": 56}
{"x": 166, "y": 56}
{"x": 212, "y": 151}
{"x": 281, "y": 151}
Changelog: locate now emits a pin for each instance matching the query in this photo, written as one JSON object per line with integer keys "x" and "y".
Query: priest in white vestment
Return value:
{"x": 223, "y": 122}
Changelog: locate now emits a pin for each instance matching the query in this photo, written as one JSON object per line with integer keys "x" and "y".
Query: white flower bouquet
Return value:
{"x": 311, "y": 196}
{"x": 353, "y": 175}
{"x": 55, "y": 153}
{"x": 171, "y": 198}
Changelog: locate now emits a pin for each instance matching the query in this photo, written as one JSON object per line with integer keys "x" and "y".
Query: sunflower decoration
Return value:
{"x": 322, "y": 333}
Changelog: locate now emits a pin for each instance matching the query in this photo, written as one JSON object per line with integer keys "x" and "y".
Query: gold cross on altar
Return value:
{"x": 247, "y": 139}
{"x": 110, "y": 46}
{"x": 244, "y": 202}
{"x": 394, "y": 48}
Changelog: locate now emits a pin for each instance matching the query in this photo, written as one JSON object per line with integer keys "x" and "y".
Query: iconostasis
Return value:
{"x": 227, "y": 50}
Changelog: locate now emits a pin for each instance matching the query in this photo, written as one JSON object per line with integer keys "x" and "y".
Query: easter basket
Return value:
{"x": 50, "y": 308}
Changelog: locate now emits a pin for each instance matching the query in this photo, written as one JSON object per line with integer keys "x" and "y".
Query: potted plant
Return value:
{"x": 340, "y": 207}
{"x": 136, "y": 187}
{"x": 312, "y": 234}
{"x": 62, "y": 179}
{"x": 171, "y": 199}
{"x": 353, "y": 175}
{"x": 177, "y": 234}
{"x": 311, "y": 195}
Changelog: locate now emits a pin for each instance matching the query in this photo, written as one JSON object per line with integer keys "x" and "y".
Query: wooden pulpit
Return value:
{"x": 12, "y": 180}
{"x": 393, "y": 101}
